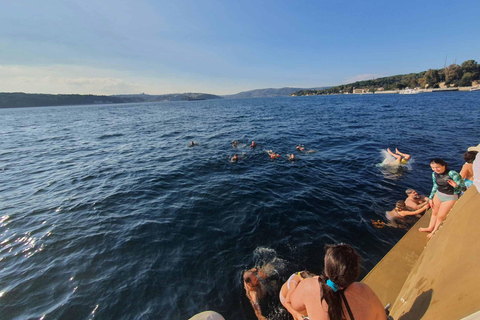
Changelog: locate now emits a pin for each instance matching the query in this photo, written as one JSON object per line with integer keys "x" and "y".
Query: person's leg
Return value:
{"x": 433, "y": 219}
{"x": 442, "y": 213}
{"x": 396, "y": 156}
{"x": 404, "y": 155}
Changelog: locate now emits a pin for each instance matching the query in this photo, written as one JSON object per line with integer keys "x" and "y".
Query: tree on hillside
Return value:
{"x": 470, "y": 66}
{"x": 432, "y": 77}
{"x": 453, "y": 73}
{"x": 467, "y": 79}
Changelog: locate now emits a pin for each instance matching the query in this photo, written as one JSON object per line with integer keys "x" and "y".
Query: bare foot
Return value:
{"x": 396, "y": 150}
{"x": 429, "y": 236}
{"x": 425, "y": 230}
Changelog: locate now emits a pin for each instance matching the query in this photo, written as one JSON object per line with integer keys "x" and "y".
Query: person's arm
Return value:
{"x": 414, "y": 206}
{"x": 253, "y": 297}
{"x": 458, "y": 184}
{"x": 288, "y": 304}
{"x": 412, "y": 213}
{"x": 435, "y": 187}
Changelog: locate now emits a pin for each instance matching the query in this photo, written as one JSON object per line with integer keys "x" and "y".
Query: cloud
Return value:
{"x": 65, "y": 79}
{"x": 360, "y": 77}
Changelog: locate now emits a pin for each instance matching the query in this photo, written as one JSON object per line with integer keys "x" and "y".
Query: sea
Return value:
{"x": 107, "y": 212}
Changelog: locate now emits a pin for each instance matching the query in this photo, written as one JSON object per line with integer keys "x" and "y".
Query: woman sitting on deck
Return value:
{"x": 335, "y": 293}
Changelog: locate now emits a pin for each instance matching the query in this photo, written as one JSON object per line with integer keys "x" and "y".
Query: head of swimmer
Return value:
{"x": 438, "y": 165}
{"x": 342, "y": 264}
{"x": 400, "y": 205}
{"x": 411, "y": 193}
{"x": 250, "y": 278}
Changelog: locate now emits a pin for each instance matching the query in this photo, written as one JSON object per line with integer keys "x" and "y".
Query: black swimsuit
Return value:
{"x": 346, "y": 305}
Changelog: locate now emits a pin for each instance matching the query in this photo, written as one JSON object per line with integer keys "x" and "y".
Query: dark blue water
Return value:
{"x": 106, "y": 212}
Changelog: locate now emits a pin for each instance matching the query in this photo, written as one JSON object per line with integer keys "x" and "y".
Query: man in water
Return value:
{"x": 414, "y": 200}
{"x": 401, "y": 216}
{"x": 192, "y": 144}
{"x": 253, "y": 145}
{"x": 254, "y": 289}
{"x": 234, "y": 158}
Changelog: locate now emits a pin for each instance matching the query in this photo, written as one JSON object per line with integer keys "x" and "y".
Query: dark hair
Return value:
{"x": 342, "y": 266}
{"x": 469, "y": 156}
{"x": 440, "y": 162}
{"x": 400, "y": 205}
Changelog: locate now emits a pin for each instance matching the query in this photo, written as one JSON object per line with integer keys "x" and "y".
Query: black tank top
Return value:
{"x": 442, "y": 183}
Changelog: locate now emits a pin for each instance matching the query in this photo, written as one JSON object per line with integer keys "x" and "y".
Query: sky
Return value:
{"x": 225, "y": 46}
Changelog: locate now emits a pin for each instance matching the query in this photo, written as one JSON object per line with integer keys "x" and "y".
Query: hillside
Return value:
{"x": 265, "y": 93}
{"x": 19, "y": 99}
{"x": 453, "y": 76}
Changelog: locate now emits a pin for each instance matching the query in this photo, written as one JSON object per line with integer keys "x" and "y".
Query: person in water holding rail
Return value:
{"x": 447, "y": 185}
{"x": 402, "y": 158}
{"x": 254, "y": 289}
{"x": 335, "y": 295}
{"x": 400, "y": 214}
{"x": 414, "y": 200}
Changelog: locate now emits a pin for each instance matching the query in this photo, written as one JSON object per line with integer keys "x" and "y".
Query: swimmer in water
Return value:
{"x": 234, "y": 144}
{"x": 234, "y": 158}
{"x": 402, "y": 158}
{"x": 302, "y": 149}
{"x": 253, "y": 145}
{"x": 192, "y": 144}
{"x": 272, "y": 154}
{"x": 291, "y": 157}
{"x": 255, "y": 289}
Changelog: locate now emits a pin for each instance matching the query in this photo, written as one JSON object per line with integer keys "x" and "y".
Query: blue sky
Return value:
{"x": 224, "y": 47}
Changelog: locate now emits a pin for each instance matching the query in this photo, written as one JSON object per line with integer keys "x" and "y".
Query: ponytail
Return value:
{"x": 332, "y": 298}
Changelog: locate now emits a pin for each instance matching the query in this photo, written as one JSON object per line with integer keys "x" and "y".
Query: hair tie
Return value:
{"x": 332, "y": 285}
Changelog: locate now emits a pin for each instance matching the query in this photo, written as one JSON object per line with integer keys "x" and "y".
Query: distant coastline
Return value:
{"x": 452, "y": 78}
{"x": 418, "y": 90}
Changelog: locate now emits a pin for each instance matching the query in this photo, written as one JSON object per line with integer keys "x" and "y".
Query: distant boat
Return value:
{"x": 408, "y": 91}
{"x": 474, "y": 88}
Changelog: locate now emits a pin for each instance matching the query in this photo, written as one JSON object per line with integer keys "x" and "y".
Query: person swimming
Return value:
{"x": 253, "y": 144}
{"x": 234, "y": 158}
{"x": 192, "y": 144}
{"x": 303, "y": 149}
{"x": 255, "y": 289}
{"x": 273, "y": 155}
{"x": 400, "y": 157}
{"x": 291, "y": 157}
{"x": 234, "y": 144}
